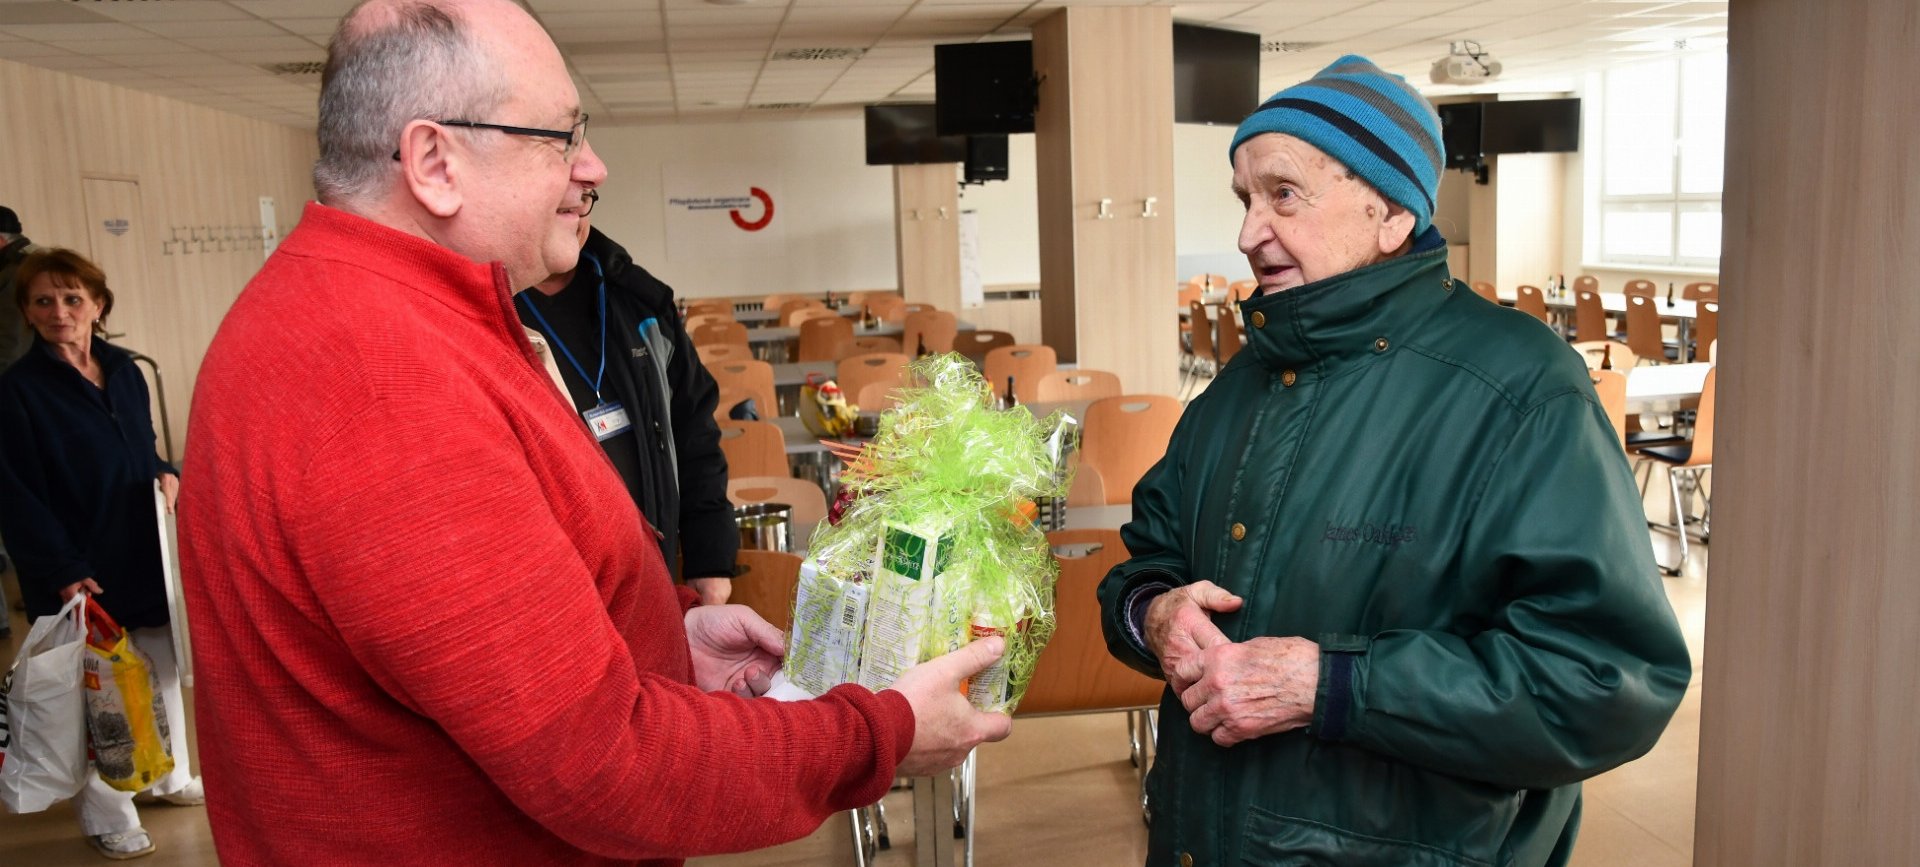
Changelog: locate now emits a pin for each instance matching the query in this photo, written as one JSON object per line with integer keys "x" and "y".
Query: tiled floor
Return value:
{"x": 1061, "y": 791}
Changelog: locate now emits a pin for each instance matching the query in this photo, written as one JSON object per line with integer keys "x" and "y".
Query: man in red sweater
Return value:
{"x": 430, "y": 625}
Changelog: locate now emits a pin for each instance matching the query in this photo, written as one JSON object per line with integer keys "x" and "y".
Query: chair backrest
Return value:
{"x": 1083, "y": 384}
{"x": 1529, "y": 300}
{"x": 718, "y": 332}
{"x": 1202, "y": 342}
{"x": 1589, "y": 316}
{"x": 1241, "y": 290}
{"x": 697, "y": 320}
{"x": 855, "y": 372}
{"x": 1609, "y": 353}
{"x": 1192, "y": 290}
{"x": 876, "y": 396}
{"x": 1642, "y": 288}
{"x": 828, "y": 338}
{"x": 862, "y": 345}
{"x": 1076, "y": 674}
{"x": 1643, "y": 329}
{"x": 1216, "y": 281}
{"x": 1586, "y": 283}
{"x": 1226, "y": 338}
{"x": 1124, "y": 436}
{"x": 1485, "y": 290}
{"x": 921, "y": 306}
{"x": 775, "y": 300}
{"x": 934, "y": 328}
{"x": 1703, "y": 291}
{"x": 1088, "y": 489}
{"x": 1611, "y": 387}
{"x": 1702, "y": 454}
{"x": 1706, "y": 328}
{"x": 809, "y": 504}
{"x": 714, "y": 352}
{"x": 792, "y": 318}
{"x": 751, "y": 377}
{"x": 1025, "y": 362}
{"x": 889, "y": 308}
{"x": 698, "y": 307}
{"x": 976, "y": 344}
{"x": 765, "y": 582}
{"x": 754, "y": 448}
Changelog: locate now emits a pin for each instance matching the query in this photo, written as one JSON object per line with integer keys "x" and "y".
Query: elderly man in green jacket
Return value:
{"x": 1393, "y": 566}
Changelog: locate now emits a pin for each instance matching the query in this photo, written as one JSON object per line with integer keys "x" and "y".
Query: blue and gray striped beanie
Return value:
{"x": 1370, "y": 120}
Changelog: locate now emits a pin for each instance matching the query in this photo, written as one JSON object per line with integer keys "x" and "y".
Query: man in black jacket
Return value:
{"x": 631, "y": 372}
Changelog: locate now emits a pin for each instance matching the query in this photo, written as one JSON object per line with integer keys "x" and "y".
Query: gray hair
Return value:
{"x": 418, "y": 63}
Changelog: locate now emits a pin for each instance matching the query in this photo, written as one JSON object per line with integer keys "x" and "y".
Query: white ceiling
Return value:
{"x": 693, "y": 60}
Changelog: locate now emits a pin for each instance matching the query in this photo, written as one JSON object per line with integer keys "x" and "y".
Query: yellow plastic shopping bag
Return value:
{"x": 125, "y": 715}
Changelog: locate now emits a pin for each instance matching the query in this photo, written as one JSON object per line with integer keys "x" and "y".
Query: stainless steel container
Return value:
{"x": 765, "y": 526}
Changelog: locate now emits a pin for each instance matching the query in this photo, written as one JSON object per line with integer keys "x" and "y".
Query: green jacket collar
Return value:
{"x": 1322, "y": 328}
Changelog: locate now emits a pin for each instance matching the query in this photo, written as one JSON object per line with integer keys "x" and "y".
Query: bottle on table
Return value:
{"x": 1012, "y": 400}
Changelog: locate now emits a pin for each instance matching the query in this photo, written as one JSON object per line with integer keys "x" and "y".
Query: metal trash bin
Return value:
{"x": 765, "y": 526}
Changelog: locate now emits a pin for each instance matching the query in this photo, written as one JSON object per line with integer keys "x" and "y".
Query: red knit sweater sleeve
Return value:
{"x": 438, "y": 558}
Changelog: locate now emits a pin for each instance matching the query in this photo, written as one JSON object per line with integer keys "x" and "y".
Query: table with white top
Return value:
{"x": 1652, "y": 387}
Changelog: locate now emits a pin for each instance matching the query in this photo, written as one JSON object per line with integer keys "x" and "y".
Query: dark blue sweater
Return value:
{"x": 77, "y": 466}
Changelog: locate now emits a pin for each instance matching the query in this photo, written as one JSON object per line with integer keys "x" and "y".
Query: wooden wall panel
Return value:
{"x": 1810, "y": 729}
{"x": 197, "y": 169}
{"x": 926, "y": 219}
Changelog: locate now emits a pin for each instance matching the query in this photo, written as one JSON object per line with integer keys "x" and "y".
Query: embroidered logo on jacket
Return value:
{"x": 1384, "y": 535}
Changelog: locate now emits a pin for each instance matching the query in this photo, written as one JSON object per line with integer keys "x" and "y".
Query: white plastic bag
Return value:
{"x": 43, "y": 715}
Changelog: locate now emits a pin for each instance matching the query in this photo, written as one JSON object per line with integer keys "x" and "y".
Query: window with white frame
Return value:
{"x": 1662, "y": 145}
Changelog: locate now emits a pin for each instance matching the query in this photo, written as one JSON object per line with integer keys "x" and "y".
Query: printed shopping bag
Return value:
{"x": 124, "y": 711}
{"x": 43, "y": 718}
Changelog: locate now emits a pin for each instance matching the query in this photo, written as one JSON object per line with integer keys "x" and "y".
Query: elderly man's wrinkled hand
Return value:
{"x": 1259, "y": 687}
{"x": 734, "y": 650}
{"x": 1179, "y": 625}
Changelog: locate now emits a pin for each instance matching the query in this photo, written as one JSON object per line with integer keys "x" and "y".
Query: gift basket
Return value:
{"x": 932, "y": 542}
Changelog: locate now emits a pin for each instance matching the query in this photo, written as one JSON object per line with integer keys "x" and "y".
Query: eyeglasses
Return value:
{"x": 588, "y": 200}
{"x": 574, "y": 137}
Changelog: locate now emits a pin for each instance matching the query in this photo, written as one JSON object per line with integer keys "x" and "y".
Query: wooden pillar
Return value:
{"x": 926, "y": 220}
{"x": 1104, "y": 151}
{"x": 1810, "y": 729}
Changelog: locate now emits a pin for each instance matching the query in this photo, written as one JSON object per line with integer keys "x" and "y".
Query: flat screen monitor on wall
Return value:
{"x": 1216, "y": 74}
{"x": 1530, "y": 126}
{"x": 904, "y": 134}
{"x": 983, "y": 88}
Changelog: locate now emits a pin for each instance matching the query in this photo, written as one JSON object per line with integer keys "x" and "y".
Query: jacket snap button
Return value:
{"x": 1287, "y": 377}
{"x": 1259, "y": 319}
{"x": 1380, "y": 345}
{"x": 1186, "y": 859}
{"x": 1239, "y": 532}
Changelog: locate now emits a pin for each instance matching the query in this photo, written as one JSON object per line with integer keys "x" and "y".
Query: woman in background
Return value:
{"x": 77, "y": 469}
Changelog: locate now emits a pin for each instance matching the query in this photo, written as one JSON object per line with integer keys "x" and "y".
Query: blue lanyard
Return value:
{"x": 553, "y": 335}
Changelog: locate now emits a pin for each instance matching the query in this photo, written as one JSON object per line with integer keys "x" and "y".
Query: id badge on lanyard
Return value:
{"x": 608, "y": 420}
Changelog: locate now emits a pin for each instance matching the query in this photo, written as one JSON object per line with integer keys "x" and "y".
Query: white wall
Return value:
{"x": 1206, "y": 219}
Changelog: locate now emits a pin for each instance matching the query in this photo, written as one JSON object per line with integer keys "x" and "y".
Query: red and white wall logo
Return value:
{"x": 766, "y": 212}
{"x": 713, "y": 212}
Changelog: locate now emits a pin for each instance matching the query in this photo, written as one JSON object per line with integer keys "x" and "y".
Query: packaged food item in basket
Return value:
{"x": 935, "y": 543}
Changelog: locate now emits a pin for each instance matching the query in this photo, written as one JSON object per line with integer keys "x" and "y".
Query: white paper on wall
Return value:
{"x": 972, "y": 289}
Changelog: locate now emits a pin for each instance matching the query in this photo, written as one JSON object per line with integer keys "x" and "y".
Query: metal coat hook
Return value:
{"x": 943, "y": 212}
{"x": 1106, "y": 210}
{"x": 193, "y": 237}
{"x": 1146, "y": 207}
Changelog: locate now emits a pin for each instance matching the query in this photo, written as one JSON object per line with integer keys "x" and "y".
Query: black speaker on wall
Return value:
{"x": 986, "y": 158}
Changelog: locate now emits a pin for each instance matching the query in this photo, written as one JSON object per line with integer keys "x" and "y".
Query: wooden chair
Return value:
{"x": 1226, "y": 337}
{"x": 793, "y": 318}
{"x": 829, "y": 338}
{"x": 855, "y": 372}
{"x": 1695, "y": 458}
{"x": 714, "y": 352}
{"x": 1124, "y": 436}
{"x": 1060, "y": 385}
{"x": 1087, "y": 489}
{"x": 877, "y": 396}
{"x": 1532, "y": 302}
{"x": 776, "y": 300}
{"x": 888, "y": 308}
{"x": 1584, "y": 283}
{"x": 1606, "y": 353}
{"x": 1589, "y": 317}
{"x": 1706, "y": 329}
{"x": 750, "y": 377}
{"x": 1192, "y": 290}
{"x": 1486, "y": 290}
{"x": 1025, "y": 363}
{"x": 765, "y": 581}
{"x": 805, "y": 498}
{"x": 719, "y": 332}
{"x": 934, "y": 329}
{"x": 754, "y": 448}
{"x": 701, "y": 320}
{"x": 710, "y": 308}
{"x": 1241, "y": 290}
{"x": 1200, "y": 347}
{"x": 1641, "y": 288}
{"x": 1703, "y": 291}
{"x": 1217, "y": 282}
{"x": 794, "y": 305}
{"x": 1643, "y": 330}
{"x": 1611, "y": 387}
{"x": 1076, "y": 674}
{"x": 863, "y": 345}
{"x": 921, "y": 306}
{"x": 976, "y": 344}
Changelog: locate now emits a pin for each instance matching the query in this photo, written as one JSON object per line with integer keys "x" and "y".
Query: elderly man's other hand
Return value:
{"x": 733, "y": 649}
{"x": 170, "y": 488}
{"x": 713, "y": 591}
{"x": 1258, "y": 687}
{"x": 946, "y": 726}
{"x": 1180, "y": 625}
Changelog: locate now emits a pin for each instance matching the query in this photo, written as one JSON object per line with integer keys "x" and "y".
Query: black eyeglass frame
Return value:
{"x": 566, "y": 135}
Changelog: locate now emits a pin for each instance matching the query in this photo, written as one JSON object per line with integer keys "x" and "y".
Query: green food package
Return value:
{"x": 937, "y": 546}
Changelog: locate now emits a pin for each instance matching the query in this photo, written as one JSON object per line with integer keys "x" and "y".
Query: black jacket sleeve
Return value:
{"x": 708, "y": 539}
